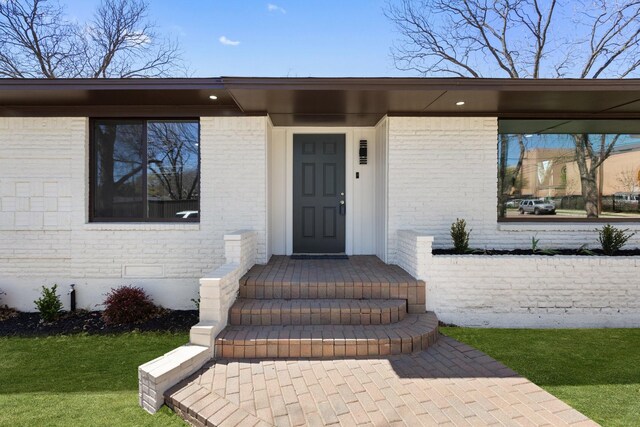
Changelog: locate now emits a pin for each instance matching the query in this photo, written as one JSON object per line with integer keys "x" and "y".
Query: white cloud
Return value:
{"x": 139, "y": 38}
{"x": 275, "y": 8}
{"x": 225, "y": 41}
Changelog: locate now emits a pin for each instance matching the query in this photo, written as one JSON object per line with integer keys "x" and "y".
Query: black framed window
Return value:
{"x": 145, "y": 170}
{"x": 569, "y": 170}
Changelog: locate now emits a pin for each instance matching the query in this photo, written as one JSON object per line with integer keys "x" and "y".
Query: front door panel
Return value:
{"x": 318, "y": 193}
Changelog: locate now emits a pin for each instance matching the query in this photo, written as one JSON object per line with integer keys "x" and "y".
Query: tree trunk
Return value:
{"x": 588, "y": 182}
{"x": 502, "y": 179}
{"x": 516, "y": 172}
{"x": 106, "y": 195}
{"x": 590, "y": 193}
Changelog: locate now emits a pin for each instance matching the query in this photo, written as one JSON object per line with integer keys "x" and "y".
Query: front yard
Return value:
{"x": 80, "y": 380}
{"x": 596, "y": 371}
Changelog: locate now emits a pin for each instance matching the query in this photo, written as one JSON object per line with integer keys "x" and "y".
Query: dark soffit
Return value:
{"x": 366, "y": 100}
{"x": 115, "y": 97}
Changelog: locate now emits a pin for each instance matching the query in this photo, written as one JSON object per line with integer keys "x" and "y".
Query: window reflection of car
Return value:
{"x": 537, "y": 207}
{"x": 629, "y": 198}
{"x": 513, "y": 203}
{"x": 187, "y": 214}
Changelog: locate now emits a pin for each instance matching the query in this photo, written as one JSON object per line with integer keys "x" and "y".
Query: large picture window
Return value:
{"x": 145, "y": 170}
{"x": 569, "y": 170}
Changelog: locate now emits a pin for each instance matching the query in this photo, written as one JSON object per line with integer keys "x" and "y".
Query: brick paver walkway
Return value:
{"x": 448, "y": 384}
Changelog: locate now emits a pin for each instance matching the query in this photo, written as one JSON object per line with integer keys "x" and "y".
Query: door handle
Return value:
{"x": 343, "y": 207}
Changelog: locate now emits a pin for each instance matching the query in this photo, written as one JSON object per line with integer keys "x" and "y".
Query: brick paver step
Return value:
{"x": 317, "y": 312}
{"x": 413, "y": 333}
{"x": 412, "y": 292}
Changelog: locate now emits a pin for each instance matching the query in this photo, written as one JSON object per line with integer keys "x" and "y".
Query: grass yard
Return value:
{"x": 79, "y": 380}
{"x": 596, "y": 371}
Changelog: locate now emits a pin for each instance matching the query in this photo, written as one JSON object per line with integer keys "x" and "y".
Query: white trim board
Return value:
{"x": 348, "y": 182}
{"x": 359, "y": 224}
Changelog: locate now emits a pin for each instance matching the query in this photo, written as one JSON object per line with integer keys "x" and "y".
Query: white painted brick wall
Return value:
{"x": 534, "y": 291}
{"x": 414, "y": 252}
{"x": 443, "y": 168}
{"x": 159, "y": 375}
{"x": 45, "y": 237}
{"x": 219, "y": 288}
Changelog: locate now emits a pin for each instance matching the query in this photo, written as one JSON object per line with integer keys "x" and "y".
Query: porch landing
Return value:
{"x": 359, "y": 277}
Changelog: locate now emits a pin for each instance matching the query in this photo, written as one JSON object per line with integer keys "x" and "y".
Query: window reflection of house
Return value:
{"x": 543, "y": 171}
{"x": 554, "y": 172}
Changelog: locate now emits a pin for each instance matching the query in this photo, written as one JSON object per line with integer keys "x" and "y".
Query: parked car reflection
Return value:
{"x": 537, "y": 207}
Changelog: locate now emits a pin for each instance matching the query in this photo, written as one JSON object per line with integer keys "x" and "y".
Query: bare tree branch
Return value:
{"x": 615, "y": 31}
{"x": 474, "y": 38}
{"x": 38, "y": 40}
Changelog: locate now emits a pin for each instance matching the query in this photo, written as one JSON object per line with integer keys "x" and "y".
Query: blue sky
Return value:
{"x": 289, "y": 38}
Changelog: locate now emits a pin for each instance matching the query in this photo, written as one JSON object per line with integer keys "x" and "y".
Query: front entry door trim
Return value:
{"x": 349, "y": 140}
{"x": 319, "y": 193}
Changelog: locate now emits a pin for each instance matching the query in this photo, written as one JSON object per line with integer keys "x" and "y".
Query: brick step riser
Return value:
{"x": 323, "y": 348}
{"x": 332, "y": 317}
{"x": 413, "y": 293}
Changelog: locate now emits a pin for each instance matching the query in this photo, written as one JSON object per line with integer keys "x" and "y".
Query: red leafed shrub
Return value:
{"x": 128, "y": 304}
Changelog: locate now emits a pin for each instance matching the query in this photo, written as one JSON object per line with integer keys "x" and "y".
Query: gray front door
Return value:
{"x": 318, "y": 193}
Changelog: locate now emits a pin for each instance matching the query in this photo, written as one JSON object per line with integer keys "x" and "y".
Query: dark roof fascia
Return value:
{"x": 325, "y": 83}
{"x": 425, "y": 83}
{"x": 112, "y": 84}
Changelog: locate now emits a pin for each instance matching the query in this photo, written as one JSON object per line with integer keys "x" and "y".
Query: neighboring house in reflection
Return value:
{"x": 554, "y": 172}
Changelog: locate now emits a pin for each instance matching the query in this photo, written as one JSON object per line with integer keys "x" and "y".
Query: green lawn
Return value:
{"x": 79, "y": 380}
{"x": 597, "y": 371}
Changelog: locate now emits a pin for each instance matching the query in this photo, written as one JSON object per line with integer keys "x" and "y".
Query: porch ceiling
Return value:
{"x": 364, "y": 101}
{"x": 323, "y": 101}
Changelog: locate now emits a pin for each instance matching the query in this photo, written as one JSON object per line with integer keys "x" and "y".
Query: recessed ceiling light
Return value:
{"x": 213, "y": 97}
{"x": 459, "y": 103}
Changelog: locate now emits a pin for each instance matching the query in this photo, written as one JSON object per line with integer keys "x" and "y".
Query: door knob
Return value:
{"x": 342, "y": 202}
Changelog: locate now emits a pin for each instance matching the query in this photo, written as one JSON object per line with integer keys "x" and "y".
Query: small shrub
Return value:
{"x": 612, "y": 239}
{"x": 460, "y": 236}
{"x": 536, "y": 250}
{"x": 49, "y": 304}
{"x": 584, "y": 250}
{"x": 534, "y": 244}
{"x": 196, "y": 302}
{"x": 128, "y": 304}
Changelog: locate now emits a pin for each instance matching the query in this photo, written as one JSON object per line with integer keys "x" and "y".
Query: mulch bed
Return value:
{"x": 90, "y": 322}
{"x": 596, "y": 252}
